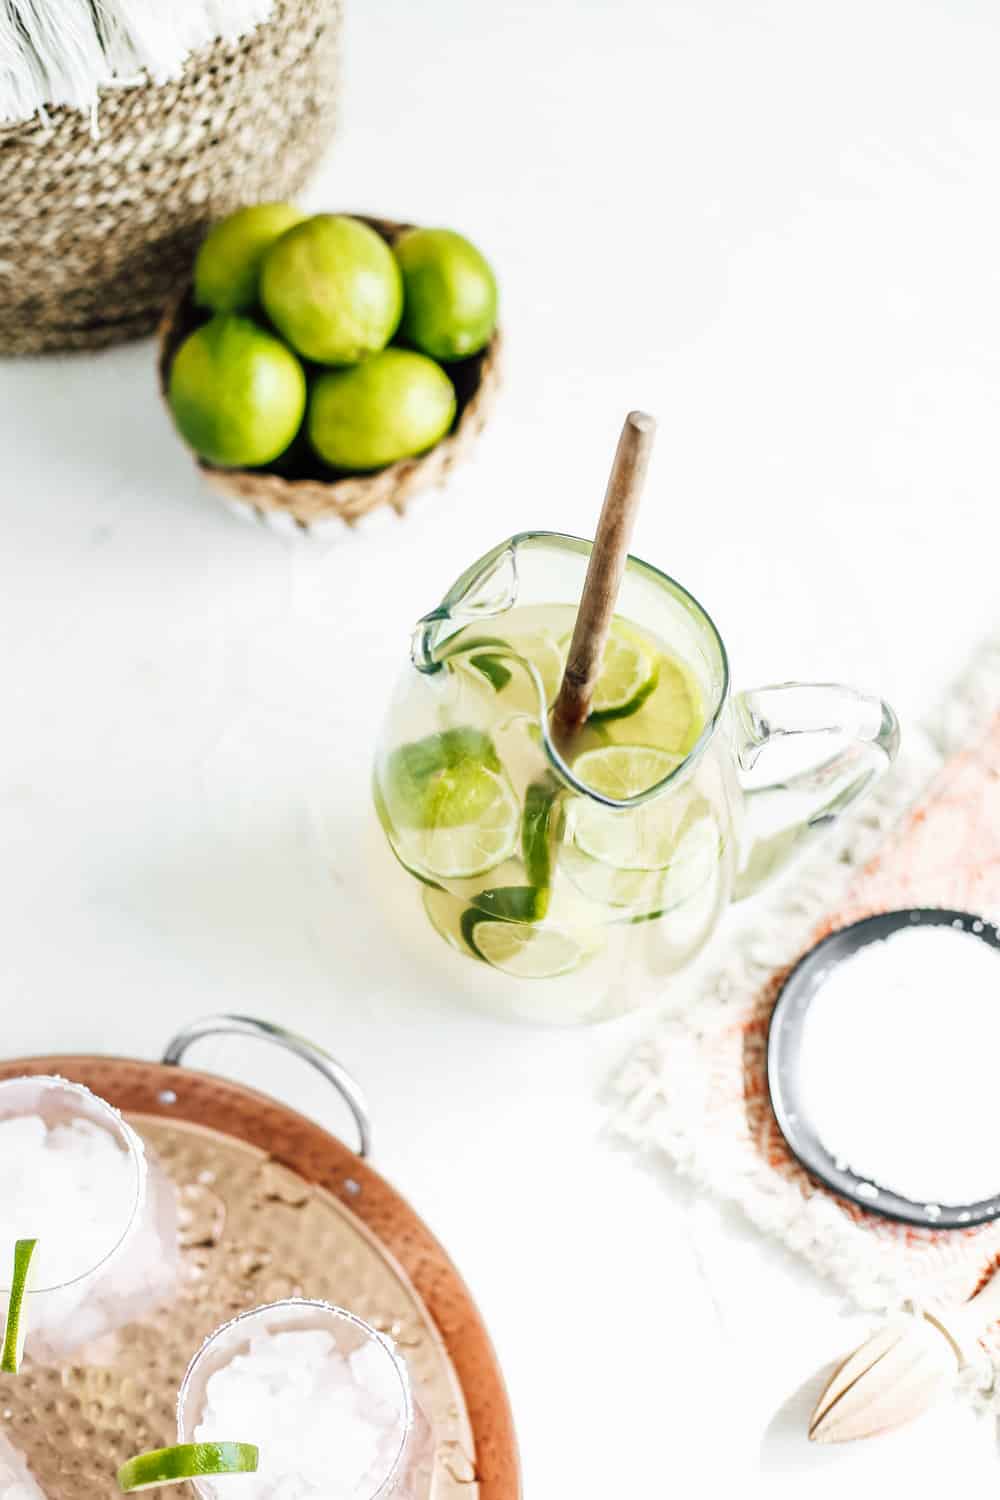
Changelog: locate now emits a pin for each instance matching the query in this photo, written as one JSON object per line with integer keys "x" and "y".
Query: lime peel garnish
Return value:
{"x": 147, "y": 1471}
{"x": 10, "y": 1358}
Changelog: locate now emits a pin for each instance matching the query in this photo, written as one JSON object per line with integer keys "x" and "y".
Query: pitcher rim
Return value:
{"x": 559, "y": 765}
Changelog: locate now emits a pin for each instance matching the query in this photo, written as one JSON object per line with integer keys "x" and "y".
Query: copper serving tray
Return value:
{"x": 272, "y": 1206}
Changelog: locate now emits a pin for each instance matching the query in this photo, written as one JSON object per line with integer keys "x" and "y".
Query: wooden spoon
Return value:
{"x": 604, "y": 575}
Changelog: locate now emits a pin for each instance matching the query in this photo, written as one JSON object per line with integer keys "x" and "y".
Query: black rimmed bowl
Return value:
{"x": 784, "y": 1047}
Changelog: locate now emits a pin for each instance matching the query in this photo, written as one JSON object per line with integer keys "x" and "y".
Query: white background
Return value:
{"x": 773, "y": 224}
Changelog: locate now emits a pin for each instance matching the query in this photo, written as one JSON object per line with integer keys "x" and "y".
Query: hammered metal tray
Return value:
{"x": 272, "y": 1206}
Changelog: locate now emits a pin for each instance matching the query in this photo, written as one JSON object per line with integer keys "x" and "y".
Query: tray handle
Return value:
{"x": 332, "y": 1071}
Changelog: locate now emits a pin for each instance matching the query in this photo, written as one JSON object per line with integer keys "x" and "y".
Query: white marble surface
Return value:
{"x": 776, "y": 226}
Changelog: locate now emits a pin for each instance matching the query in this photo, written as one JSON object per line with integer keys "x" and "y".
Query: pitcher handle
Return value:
{"x": 765, "y": 714}
{"x": 290, "y": 1041}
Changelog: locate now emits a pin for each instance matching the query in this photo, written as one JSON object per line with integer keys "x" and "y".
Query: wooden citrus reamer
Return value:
{"x": 604, "y": 575}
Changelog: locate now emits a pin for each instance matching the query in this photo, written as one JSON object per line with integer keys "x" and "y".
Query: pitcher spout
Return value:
{"x": 488, "y": 589}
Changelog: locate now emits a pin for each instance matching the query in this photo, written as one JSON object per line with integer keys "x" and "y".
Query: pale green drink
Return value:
{"x": 522, "y": 873}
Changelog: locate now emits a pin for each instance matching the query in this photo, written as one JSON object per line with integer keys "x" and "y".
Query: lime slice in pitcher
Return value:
{"x": 638, "y": 838}
{"x": 452, "y": 809}
{"x": 546, "y": 656}
{"x": 499, "y": 661}
{"x": 539, "y": 833}
{"x": 626, "y": 892}
{"x": 675, "y": 716}
{"x": 629, "y": 673}
{"x": 524, "y": 951}
{"x": 635, "y": 670}
{"x": 472, "y": 824}
{"x": 413, "y": 771}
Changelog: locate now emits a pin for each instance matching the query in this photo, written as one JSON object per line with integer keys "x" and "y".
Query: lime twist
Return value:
{"x": 13, "y": 1338}
{"x": 147, "y": 1471}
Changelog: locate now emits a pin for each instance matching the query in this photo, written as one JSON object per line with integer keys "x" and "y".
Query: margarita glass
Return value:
{"x": 601, "y": 867}
{"x": 74, "y": 1175}
{"x": 325, "y": 1398}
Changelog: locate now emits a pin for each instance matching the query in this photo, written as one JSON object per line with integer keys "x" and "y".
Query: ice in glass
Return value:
{"x": 74, "y": 1175}
{"x": 326, "y": 1399}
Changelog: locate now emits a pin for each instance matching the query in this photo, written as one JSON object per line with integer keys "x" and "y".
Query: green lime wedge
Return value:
{"x": 488, "y": 650}
{"x": 524, "y": 951}
{"x": 637, "y": 838}
{"x": 540, "y": 827}
{"x": 629, "y": 673}
{"x": 696, "y": 858}
{"x": 631, "y": 892}
{"x": 472, "y": 825}
{"x": 493, "y": 669}
{"x": 506, "y": 903}
{"x": 675, "y": 717}
{"x": 412, "y": 773}
{"x": 493, "y": 656}
{"x": 634, "y": 670}
{"x": 147, "y": 1471}
{"x": 624, "y": 771}
{"x": 451, "y": 811}
{"x": 546, "y": 656}
{"x": 13, "y": 1338}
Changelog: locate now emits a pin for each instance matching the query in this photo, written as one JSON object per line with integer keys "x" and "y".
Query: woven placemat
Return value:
{"x": 695, "y": 1089}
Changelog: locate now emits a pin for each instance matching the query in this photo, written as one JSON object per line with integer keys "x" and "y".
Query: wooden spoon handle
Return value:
{"x": 604, "y": 575}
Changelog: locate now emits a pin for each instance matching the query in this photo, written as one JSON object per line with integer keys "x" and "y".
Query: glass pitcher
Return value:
{"x": 575, "y": 879}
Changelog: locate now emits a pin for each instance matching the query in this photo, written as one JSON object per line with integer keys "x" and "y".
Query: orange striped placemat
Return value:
{"x": 696, "y": 1087}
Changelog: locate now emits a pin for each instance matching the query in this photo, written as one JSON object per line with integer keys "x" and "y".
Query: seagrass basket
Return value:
{"x": 98, "y": 225}
{"x": 302, "y": 489}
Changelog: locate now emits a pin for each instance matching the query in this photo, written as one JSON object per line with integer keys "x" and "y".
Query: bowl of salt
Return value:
{"x": 882, "y": 1065}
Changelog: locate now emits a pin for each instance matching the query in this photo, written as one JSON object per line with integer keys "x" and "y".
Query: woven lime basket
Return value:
{"x": 100, "y": 213}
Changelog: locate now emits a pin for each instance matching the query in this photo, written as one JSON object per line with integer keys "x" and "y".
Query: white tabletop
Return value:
{"x": 776, "y": 227}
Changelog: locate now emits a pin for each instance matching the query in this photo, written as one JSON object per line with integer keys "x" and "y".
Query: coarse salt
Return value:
{"x": 899, "y": 1064}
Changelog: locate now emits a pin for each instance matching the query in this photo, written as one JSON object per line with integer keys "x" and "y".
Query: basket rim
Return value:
{"x": 348, "y": 496}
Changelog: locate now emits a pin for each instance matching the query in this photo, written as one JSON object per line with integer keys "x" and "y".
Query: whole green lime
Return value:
{"x": 393, "y": 405}
{"x": 332, "y": 287}
{"x": 227, "y": 267}
{"x": 450, "y": 293}
{"x": 236, "y": 393}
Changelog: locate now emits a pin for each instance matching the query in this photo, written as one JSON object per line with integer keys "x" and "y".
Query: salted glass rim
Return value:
{"x": 123, "y": 1132}
{"x": 328, "y": 1309}
{"x": 426, "y": 630}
